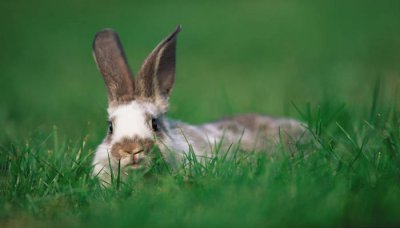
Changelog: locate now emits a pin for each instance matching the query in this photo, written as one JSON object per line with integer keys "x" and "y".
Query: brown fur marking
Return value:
{"x": 157, "y": 74}
{"x": 128, "y": 146}
{"x": 260, "y": 132}
{"x": 111, "y": 61}
{"x": 236, "y": 124}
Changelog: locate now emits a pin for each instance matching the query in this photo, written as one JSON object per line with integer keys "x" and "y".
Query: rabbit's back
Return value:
{"x": 249, "y": 131}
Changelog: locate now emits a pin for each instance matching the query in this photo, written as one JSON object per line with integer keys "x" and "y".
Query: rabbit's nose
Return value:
{"x": 124, "y": 153}
{"x": 137, "y": 150}
{"x": 130, "y": 148}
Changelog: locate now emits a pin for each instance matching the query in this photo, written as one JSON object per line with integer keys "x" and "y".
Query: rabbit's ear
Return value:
{"x": 111, "y": 61}
{"x": 157, "y": 74}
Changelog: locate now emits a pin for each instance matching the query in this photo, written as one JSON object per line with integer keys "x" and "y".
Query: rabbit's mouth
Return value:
{"x": 138, "y": 159}
{"x": 134, "y": 161}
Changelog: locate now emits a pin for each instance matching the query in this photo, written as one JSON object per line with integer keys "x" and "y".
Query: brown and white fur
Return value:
{"x": 137, "y": 108}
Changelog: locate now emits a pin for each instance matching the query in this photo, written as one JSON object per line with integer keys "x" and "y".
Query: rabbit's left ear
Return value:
{"x": 157, "y": 74}
{"x": 111, "y": 61}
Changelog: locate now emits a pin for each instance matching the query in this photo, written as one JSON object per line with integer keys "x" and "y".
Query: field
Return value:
{"x": 334, "y": 65}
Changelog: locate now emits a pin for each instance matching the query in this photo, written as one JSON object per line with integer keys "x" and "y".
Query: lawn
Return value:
{"x": 334, "y": 65}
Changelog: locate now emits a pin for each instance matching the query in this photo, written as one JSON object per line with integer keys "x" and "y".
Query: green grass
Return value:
{"x": 334, "y": 65}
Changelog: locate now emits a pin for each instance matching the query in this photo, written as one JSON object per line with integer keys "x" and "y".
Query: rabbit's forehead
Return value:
{"x": 131, "y": 120}
{"x": 132, "y": 108}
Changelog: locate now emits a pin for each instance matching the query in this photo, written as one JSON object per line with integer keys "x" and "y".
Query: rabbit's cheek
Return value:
{"x": 122, "y": 153}
{"x": 126, "y": 161}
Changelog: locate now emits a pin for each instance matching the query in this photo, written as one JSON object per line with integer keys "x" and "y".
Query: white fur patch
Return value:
{"x": 130, "y": 120}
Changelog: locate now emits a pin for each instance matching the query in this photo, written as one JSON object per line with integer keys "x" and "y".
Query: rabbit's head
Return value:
{"x": 135, "y": 105}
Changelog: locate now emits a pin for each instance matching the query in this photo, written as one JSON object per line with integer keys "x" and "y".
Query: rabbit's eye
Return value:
{"x": 110, "y": 127}
{"x": 154, "y": 124}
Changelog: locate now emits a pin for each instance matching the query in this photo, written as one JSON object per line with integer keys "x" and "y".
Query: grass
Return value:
{"x": 332, "y": 65}
{"x": 350, "y": 178}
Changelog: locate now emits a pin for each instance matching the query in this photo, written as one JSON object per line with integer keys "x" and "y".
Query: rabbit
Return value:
{"x": 137, "y": 121}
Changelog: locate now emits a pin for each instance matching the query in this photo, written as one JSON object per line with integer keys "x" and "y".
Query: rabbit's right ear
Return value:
{"x": 111, "y": 62}
{"x": 156, "y": 77}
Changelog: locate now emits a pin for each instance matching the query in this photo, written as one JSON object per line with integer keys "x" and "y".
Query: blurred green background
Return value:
{"x": 233, "y": 57}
